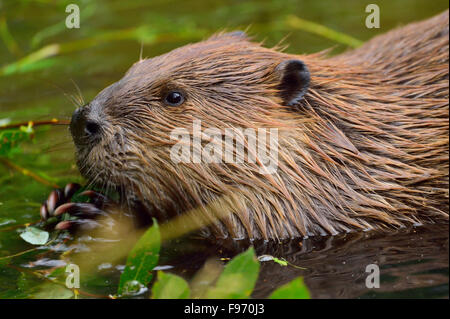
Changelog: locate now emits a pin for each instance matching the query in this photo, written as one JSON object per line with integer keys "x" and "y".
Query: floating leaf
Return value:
{"x": 35, "y": 236}
{"x": 238, "y": 277}
{"x": 170, "y": 286}
{"x": 296, "y": 289}
{"x": 141, "y": 261}
{"x": 281, "y": 262}
{"x": 53, "y": 291}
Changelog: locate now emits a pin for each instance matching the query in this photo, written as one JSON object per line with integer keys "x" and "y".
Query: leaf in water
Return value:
{"x": 140, "y": 262}
{"x": 295, "y": 289}
{"x": 281, "y": 262}
{"x": 53, "y": 291}
{"x": 238, "y": 278}
{"x": 35, "y": 236}
{"x": 170, "y": 286}
{"x": 58, "y": 273}
{"x": 264, "y": 258}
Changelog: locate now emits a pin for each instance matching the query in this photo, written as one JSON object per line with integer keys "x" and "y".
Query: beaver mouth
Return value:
{"x": 106, "y": 169}
{"x": 96, "y": 169}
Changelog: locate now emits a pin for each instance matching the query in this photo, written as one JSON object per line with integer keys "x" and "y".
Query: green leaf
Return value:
{"x": 35, "y": 236}
{"x": 296, "y": 289}
{"x": 170, "y": 286}
{"x": 238, "y": 277}
{"x": 11, "y": 138}
{"x": 141, "y": 261}
{"x": 281, "y": 262}
{"x": 58, "y": 273}
{"x": 53, "y": 291}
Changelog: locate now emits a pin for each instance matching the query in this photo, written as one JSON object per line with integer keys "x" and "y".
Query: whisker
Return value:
{"x": 80, "y": 94}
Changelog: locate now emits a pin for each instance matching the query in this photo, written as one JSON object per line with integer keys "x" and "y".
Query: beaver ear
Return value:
{"x": 293, "y": 76}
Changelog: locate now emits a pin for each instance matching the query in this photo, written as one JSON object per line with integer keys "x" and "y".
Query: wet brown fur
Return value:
{"x": 367, "y": 148}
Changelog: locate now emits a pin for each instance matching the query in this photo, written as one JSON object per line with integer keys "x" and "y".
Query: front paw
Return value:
{"x": 60, "y": 213}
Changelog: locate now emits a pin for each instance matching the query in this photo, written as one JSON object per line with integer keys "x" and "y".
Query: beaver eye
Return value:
{"x": 174, "y": 98}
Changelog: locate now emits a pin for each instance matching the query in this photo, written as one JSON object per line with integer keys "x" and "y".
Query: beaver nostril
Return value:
{"x": 92, "y": 129}
{"x": 83, "y": 129}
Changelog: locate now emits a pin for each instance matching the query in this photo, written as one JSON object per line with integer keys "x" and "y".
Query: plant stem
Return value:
{"x": 29, "y": 173}
{"x": 315, "y": 28}
{"x": 36, "y": 123}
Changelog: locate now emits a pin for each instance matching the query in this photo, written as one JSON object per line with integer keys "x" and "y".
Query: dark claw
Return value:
{"x": 66, "y": 224}
{"x": 84, "y": 214}
{"x": 81, "y": 224}
{"x": 70, "y": 190}
{"x": 80, "y": 210}
{"x": 62, "y": 209}
{"x": 44, "y": 211}
{"x": 56, "y": 198}
{"x": 96, "y": 198}
{"x": 52, "y": 200}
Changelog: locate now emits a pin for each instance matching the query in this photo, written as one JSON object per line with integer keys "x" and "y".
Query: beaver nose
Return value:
{"x": 84, "y": 130}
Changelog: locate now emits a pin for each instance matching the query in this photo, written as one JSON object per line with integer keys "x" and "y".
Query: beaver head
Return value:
{"x": 124, "y": 136}
{"x": 345, "y": 154}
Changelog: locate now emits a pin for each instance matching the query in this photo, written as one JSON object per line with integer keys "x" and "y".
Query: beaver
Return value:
{"x": 362, "y": 137}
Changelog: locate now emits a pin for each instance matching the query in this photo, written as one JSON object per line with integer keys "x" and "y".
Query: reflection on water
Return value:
{"x": 412, "y": 262}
